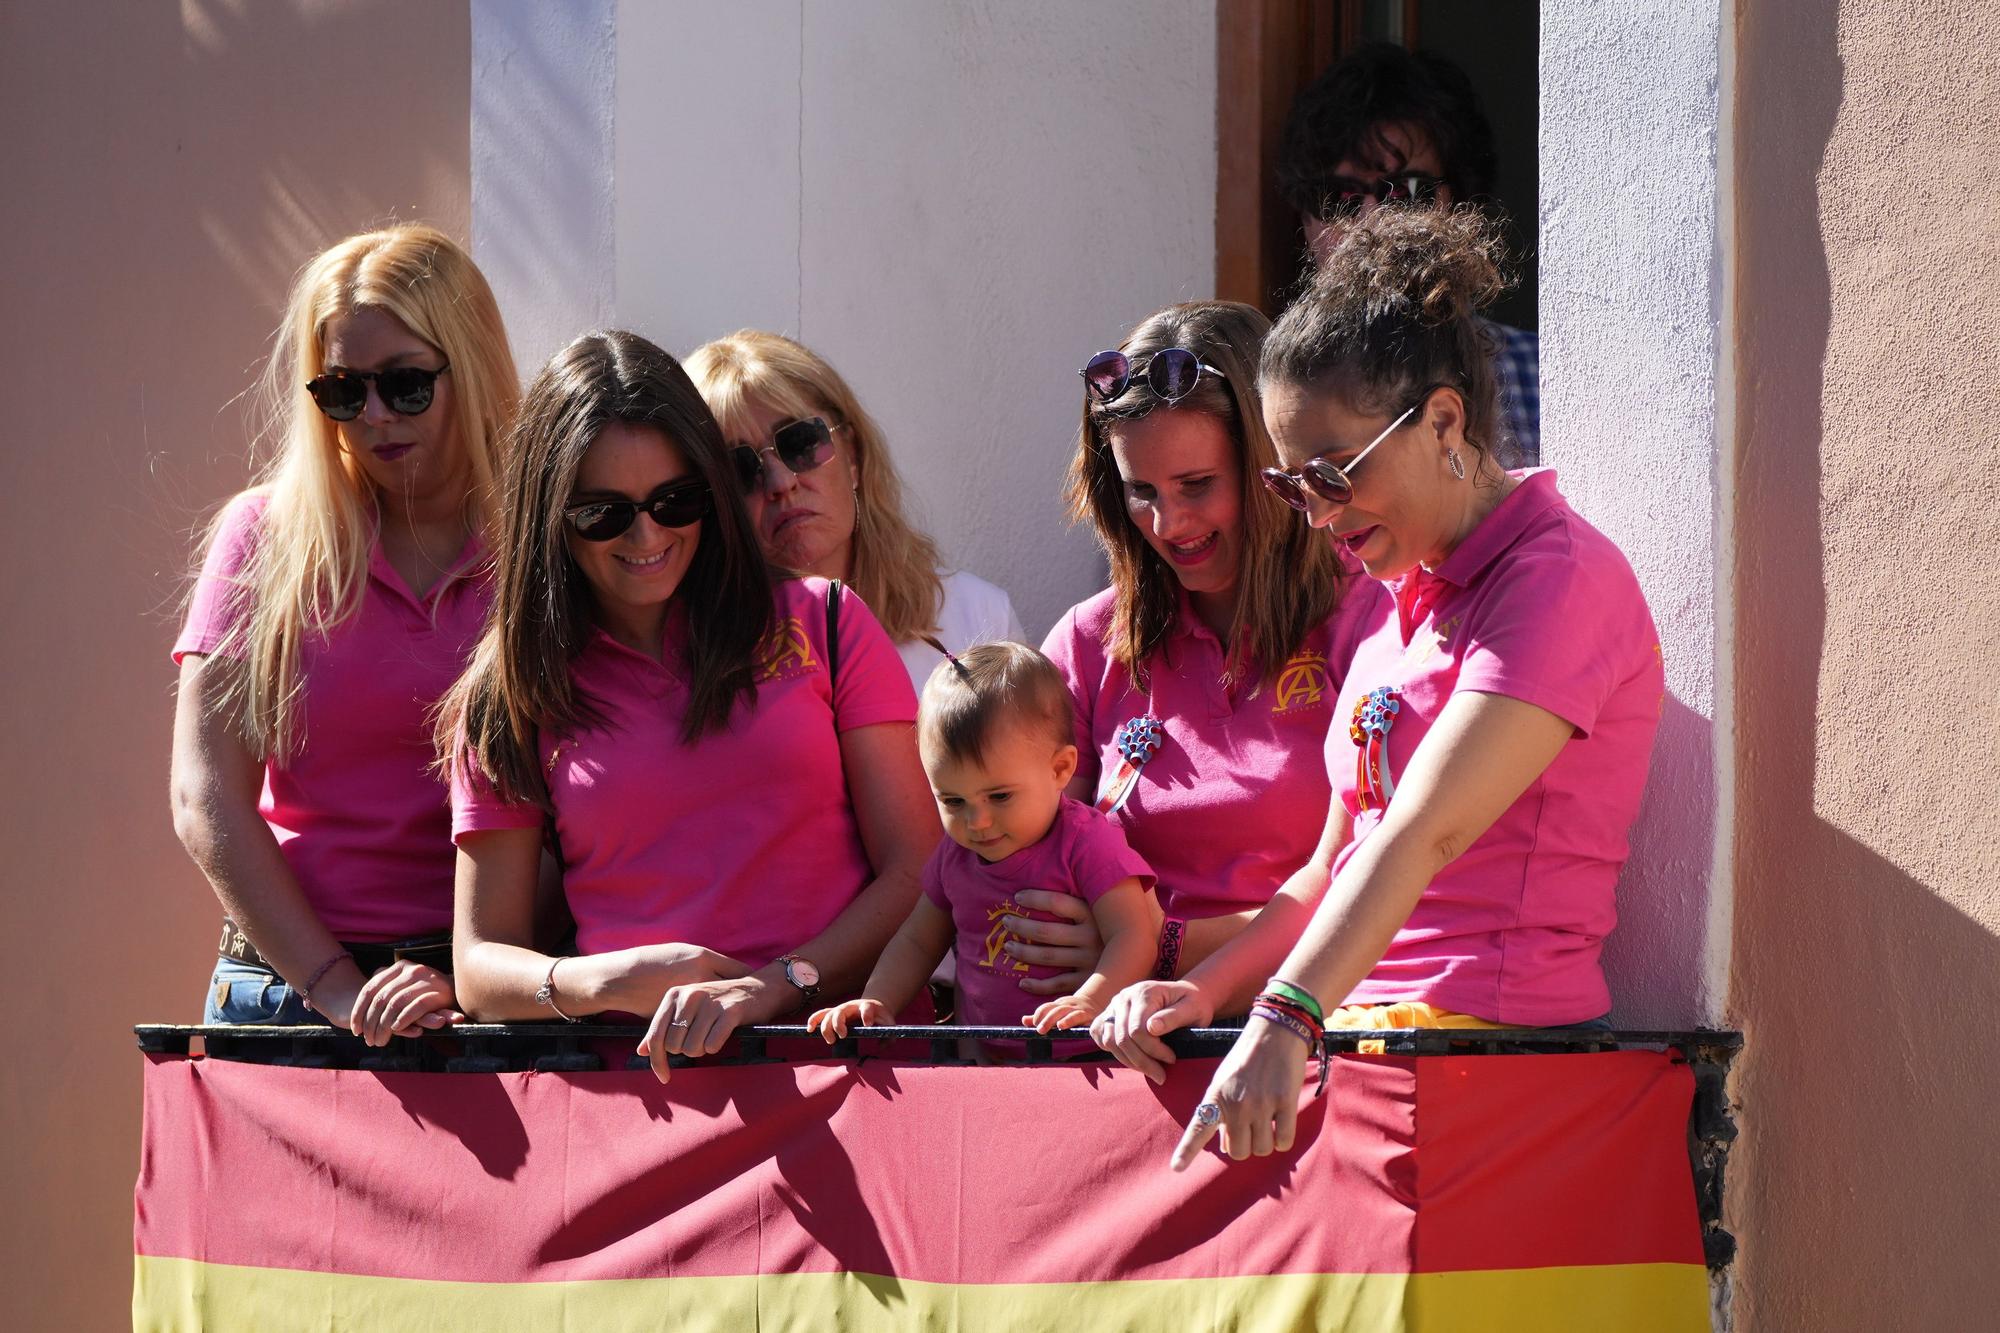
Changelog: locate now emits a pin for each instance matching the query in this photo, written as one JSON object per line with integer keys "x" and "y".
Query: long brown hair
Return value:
{"x": 519, "y": 681}
{"x": 1290, "y": 579}
{"x": 893, "y": 563}
{"x": 311, "y": 559}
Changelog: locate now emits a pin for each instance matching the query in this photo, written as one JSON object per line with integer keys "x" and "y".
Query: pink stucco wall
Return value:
{"x": 166, "y": 167}
{"x": 1866, "y": 968}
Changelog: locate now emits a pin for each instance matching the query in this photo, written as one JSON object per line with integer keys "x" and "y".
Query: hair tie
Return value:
{"x": 950, "y": 657}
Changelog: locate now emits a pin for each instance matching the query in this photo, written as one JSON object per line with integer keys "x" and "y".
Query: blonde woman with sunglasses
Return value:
{"x": 825, "y": 497}
{"x": 339, "y": 599}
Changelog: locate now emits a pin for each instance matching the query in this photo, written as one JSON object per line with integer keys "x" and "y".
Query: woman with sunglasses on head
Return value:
{"x": 1203, "y": 678}
{"x": 826, "y": 499}
{"x": 723, "y": 758}
{"x": 1498, "y": 722}
{"x": 339, "y": 599}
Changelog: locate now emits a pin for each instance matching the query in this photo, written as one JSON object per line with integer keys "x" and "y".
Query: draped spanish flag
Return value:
{"x": 1434, "y": 1193}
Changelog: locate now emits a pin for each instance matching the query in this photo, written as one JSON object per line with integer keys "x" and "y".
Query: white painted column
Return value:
{"x": 543, "y": 93}
{"x": 1632, "y": 379}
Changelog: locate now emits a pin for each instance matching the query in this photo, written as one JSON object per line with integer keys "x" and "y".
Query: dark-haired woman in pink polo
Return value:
{"x": 1493, "y": 732}
{"x": 724, "y": 759}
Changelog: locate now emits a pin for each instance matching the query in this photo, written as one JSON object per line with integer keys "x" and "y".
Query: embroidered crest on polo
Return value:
{"x": 1138, "y": 740}
{"x": 1374, "y": 713}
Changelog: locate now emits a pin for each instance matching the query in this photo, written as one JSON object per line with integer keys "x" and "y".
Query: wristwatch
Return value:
{"x": 803, "y": 975}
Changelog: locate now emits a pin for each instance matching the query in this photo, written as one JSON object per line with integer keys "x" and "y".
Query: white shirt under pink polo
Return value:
{"x": 745, "y": 841}
{"x": 1536, "y": 605}
{"x": 360, "y": 817}
{"x": 1235, "y": 798}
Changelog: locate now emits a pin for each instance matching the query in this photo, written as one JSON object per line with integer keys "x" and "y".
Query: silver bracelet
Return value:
{"x": 547, "y": 994}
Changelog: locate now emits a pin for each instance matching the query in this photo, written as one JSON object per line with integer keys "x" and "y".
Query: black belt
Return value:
{"x": 434, "y": 950}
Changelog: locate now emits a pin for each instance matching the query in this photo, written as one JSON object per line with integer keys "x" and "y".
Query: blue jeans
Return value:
{"x": 241, "y": 994}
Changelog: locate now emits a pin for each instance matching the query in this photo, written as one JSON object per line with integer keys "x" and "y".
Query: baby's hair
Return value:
{"x": 971, "y": 693}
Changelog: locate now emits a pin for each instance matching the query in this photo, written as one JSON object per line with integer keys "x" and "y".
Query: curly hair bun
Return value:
{"x": 1431, "y": 264}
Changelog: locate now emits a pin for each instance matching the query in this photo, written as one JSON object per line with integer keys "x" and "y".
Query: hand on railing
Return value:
{"x": 1132, "y": 1025}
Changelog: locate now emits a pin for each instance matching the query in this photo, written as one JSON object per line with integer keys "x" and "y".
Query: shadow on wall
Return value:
{"x": 1655, "y": 953}
{"x": 1864, "y": 1190}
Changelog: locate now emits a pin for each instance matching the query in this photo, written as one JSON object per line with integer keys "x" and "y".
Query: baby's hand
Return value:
{"x": 1067, "y": 1011}
{"x": 833, "y": 1023}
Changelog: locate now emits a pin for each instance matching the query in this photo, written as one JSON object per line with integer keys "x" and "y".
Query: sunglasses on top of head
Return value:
{"x": 405, "y": 390}
{"x": 674, "y": 505}
{"x": 1171, "y": 373}
{"x": 1350, "y": 194}
{"x": 1325, "y": 478}
{"x": 800, "y": 445}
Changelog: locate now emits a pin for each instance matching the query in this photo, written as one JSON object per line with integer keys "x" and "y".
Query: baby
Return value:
{"x": 995, "y": 733}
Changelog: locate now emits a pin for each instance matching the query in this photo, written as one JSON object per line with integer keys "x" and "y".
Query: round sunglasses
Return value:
{"x": 1171, "y": 372}
{"x": 800, "y": 445}
{"x": 406, "y": 390}
{"x": 674, "y": 505}
{"x": 1325, "y": 478}
{"x": 1351, "y": 195}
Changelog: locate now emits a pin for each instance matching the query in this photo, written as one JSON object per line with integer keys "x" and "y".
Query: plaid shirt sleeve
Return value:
{"x": 1517, "y": 366}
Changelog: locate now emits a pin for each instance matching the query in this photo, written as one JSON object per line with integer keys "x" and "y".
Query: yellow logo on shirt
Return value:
{"x": 785, "y": 651}
{"x": 1301, "y": 684}
{"x": 1421, "y": 650}
{"x": 997, "y": 936}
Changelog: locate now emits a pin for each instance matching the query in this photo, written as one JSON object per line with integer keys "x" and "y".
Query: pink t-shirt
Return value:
{"x": 1235, "y": 798}
{"x": 1082, "y": 854}
{"x": 1536, "y": 605}
{"x": 744, "y": 842}
{"x": 359, "y": 815}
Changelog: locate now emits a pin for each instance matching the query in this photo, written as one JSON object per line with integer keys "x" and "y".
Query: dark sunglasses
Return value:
{"x": 1172, "y": 372}
{"x": 1323, "y": 477}
{"x": 800, "y": 445}
{"x": 674, "y": 505}
{"x": 1407, "y": 187}
{"x": 406, "y": 390}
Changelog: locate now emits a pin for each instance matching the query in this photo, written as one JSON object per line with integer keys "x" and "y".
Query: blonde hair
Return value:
{"x": 309, "y": 563}
{"x": 892, "y": 564}
{"x": 1291, "y": 580}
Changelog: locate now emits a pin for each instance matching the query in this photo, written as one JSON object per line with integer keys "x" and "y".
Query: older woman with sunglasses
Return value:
{"x": 1203, "y": 678}
{"x": 826, "y": 499}
{"x": 723, "y": 758}
{"x": 340, "y": 598}
{"x": 1500, "y": 720}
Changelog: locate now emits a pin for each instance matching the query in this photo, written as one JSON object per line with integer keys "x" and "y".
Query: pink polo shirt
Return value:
{"x": 744, "y": 842}
{"x": 1235, "y": 799}
{"x": 359, "y": 815}
{"x": 1083, "y": 853}
{"x": 1539, "y": 606}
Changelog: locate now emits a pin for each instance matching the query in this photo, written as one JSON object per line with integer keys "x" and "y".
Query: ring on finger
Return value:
{"x": 1207, "y": 1114}
{"x": 678, "y": 1023}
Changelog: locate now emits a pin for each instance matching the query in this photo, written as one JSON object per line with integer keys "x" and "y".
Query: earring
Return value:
{"x": 1457, "y": 468}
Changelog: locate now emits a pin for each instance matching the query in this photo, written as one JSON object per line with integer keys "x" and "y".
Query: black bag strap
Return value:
{"x": 832, "y": 631}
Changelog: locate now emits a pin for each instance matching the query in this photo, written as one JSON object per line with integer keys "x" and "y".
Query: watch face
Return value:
{"x": 803, "y": 973}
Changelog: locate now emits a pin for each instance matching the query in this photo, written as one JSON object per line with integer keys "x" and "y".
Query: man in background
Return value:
{"x": 1386, "y": 125}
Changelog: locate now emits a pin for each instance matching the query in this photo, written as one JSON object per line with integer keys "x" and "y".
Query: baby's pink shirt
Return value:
{"x": 359, "y": 815}
{"x": 1083, "y": 854}
{"x": 1235, "y": 799}
{"x": 1536, "y": 605}
{"x": 745, "y": 841}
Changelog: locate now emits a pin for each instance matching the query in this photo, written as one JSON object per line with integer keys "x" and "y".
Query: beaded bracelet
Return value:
{"x": 1298, "y": 993}
{"x": 1170, "y": 949}
{"x": 305, "y": 991}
